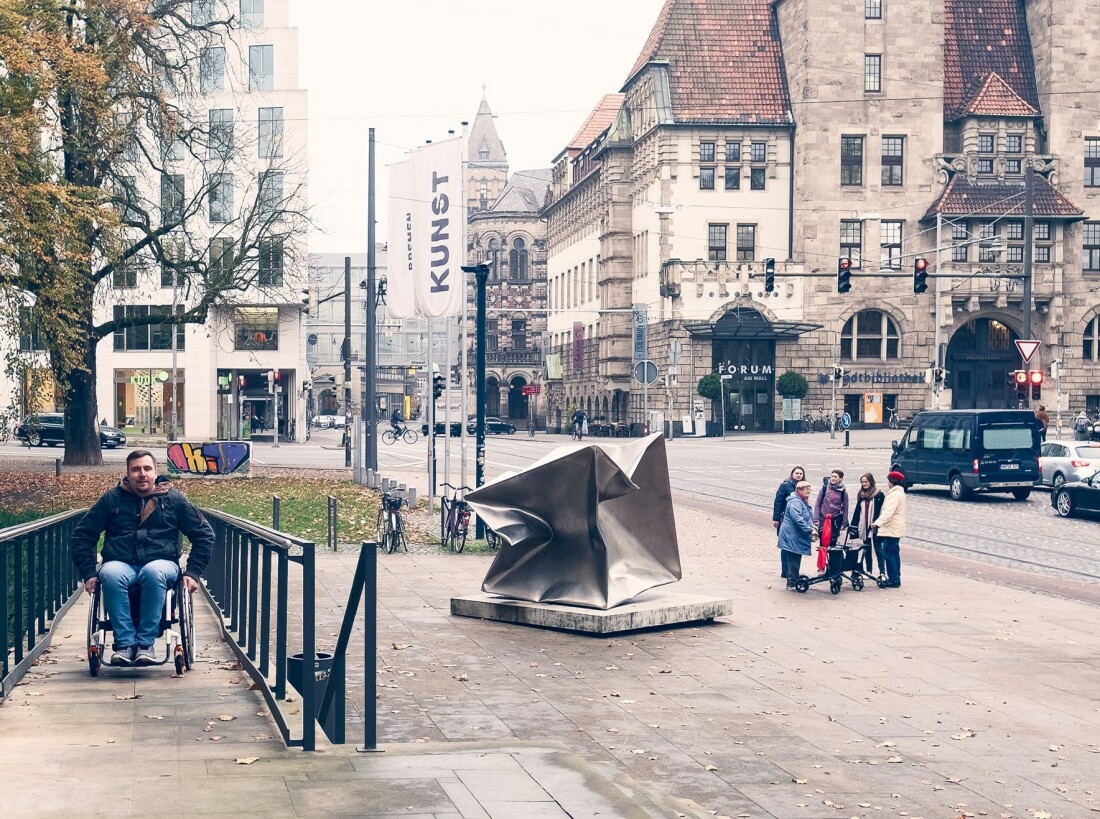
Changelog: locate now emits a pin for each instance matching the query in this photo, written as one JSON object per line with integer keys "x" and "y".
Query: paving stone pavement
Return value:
{"x": 949, "y": 697}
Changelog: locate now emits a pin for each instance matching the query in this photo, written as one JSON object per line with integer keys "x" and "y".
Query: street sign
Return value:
{"x": 531, "y": 389}
{"x": 675, "y": 348}
{"x": 1027, "y": 349}
{"x": 639, "y": 332}
{"x": 645, "y": 372}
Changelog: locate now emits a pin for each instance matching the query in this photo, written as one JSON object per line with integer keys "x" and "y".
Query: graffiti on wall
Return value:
{"x": 211, "y": 458}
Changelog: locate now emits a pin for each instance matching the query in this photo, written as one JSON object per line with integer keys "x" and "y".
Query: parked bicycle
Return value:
{"x": 390, "y": 526}
{"x": 895, "y": 422}
{"x": 454, "y": 519}
{"x": 404, "y": 433}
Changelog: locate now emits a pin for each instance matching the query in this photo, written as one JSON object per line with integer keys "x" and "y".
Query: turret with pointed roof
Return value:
{"x": 486, "y": 161}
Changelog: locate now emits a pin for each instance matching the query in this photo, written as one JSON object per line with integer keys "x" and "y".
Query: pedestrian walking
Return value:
{"x": 1081, "y": 427}
{"x": 779, "y": 505}
{"x": 869, "y": 501}
{"x": 1043, "y": 418}
{"x": 889, "y": 528}
{"x": 796, "y": 531}
{"x": 831, "y": 508}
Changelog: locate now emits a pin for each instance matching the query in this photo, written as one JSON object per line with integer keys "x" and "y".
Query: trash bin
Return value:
{"x": 791, "y": 427}
{"x": 295, "y": 666}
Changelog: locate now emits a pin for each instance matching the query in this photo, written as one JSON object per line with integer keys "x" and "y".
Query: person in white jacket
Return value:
{"x": 889, "y": 528}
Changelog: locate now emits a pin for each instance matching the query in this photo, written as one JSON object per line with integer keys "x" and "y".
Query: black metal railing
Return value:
{"x": 38, "y": 584}
{"x": 248, "y": 579}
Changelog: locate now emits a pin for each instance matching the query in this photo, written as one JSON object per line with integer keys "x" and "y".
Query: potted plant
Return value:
{"x": 793, "y": 387}
{"x": 710, "y": 387}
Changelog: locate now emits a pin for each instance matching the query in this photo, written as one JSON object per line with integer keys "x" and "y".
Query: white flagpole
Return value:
{"x": 464, "y": 320}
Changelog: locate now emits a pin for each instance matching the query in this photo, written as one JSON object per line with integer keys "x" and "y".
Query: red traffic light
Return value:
{"x": 1036, "y": 376}
{"x": 1021, "y": 377}
{"x": 845, "y": 263}
{"x": 921, "y": 264}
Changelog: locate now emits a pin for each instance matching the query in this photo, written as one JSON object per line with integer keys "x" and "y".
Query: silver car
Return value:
{"x": 1065, "y": 461}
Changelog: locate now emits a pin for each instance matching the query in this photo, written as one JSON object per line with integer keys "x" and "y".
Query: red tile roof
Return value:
{"x": 982, "y": 37}
{"x": 962, "y": 197}
{"x": 995, "y": 98}
{"x": 598, "y": 121}
{"x": 725, "y": 61}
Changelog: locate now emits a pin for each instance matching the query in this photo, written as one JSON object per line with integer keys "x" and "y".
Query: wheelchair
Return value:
{"x": 177, "y": 626}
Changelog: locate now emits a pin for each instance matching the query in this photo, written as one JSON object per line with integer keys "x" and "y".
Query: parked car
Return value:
{"x": 324, "y": 421}
{"x": 456, "y": 428}
{"x": 1065, "y": 460}
{"x": 48, "y": 429}
{"x": 971, "y": 450}
{"x": 1073, "y": 497}
{"x": 493, "y": 426}
{"x": 339, "y": 422}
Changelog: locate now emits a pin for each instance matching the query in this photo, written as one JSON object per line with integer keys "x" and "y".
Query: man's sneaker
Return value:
{"x": 145, "y": 656}
{"x": 123, "y": 656}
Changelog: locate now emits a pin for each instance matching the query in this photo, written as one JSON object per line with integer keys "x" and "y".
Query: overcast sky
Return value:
{"x": 415, "y": 68}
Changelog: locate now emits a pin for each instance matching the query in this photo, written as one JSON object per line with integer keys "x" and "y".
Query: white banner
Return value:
{"x": 438, "y": 235}
{"x": 400, "y": 301}
{"x": 427, "y": 238}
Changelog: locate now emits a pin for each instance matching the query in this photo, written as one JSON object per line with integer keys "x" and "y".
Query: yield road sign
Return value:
{"x": 1027, "y": 349}
{"x": 645, "y": 372}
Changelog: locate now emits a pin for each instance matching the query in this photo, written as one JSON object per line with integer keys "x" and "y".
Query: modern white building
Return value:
{"x": 214, "y": 377}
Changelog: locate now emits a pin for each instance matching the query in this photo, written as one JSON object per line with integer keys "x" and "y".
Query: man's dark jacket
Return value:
{"x": 139, "y": 530}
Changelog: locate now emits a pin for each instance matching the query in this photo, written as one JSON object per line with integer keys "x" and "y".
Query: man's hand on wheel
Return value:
{"x": 90, "y": 584}
{"x": 190, "y": 584}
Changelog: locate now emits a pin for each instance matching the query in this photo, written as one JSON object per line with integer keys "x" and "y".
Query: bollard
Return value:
{"x": 385, "y": 484}
{"x": 57, "y": 467}
{"x": 275, "y": 512}
{"x": 370, "y": 478}
{"x": 412, "y": 498}
{"x": 846, "y": 439}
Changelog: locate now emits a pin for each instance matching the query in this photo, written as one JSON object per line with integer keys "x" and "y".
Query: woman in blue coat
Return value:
{"x": 796, "y": 531}
{"x": 779, "y": 505}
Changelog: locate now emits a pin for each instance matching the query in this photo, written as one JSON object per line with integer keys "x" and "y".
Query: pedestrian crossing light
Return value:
{"x": 437, "y": 387}
{"x": 838, "y": 374}
{"x": 920, "y": 275}
{"x": 1036, "y": 379}
{"x": 1020, "y": 377}
{"x": 769, "y": 275}
{"x": 844, "y": 275}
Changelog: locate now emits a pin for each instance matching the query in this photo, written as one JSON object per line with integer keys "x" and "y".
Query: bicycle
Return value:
{"x": 454, "y": 519}
{"x": 390, "y": 526}
{"x": 404, "y": 433}
{"x": 895, "y": 422}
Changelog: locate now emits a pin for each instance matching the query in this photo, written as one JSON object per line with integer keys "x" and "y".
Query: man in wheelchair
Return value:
{"x": 141, "y": 520}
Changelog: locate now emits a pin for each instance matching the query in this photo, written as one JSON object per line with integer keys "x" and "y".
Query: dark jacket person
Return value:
{"x": 141, "y": 520}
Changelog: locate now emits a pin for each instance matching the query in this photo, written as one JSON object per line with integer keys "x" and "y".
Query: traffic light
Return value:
{"x": 938, "y": 375}
{"x": 920, "y": 276}
{"x": 838, "y": 374}
{"x": 1020, "y": 379}
{"x": 270, "y": 381}
{"x": 241, "y": 382}
{"x": 1036, "y": 379}
{"x": 309, "y": 306}
{"x": 844, "y": 275}
{"x": 769, "y": 275}
{"x": 278, "y": 377}
{"x": 437, "y": 387}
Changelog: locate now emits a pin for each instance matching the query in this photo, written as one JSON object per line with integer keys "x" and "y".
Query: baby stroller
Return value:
{"x": 842, "y": 562}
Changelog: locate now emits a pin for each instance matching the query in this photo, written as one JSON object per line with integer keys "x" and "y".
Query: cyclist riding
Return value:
{"x": 397, "y": 423}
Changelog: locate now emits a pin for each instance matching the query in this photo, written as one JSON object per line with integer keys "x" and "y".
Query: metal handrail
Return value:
{"x": 238, "y": 583}
{"x": 38, "y": 584}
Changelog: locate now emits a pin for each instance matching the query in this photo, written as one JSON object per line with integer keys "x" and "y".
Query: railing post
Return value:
{"x": 280, "y": 626}
{"x": 265, "y": 611}
{"x": 20, "y": 601}
{"x": 4, "y": 643}
{"x": 241, "y": 622}
{"x": 309, "y": 651}
{"x": 253, "y": 594}
{"x": 275, "y": 504}
{"x": 370, "y": 650}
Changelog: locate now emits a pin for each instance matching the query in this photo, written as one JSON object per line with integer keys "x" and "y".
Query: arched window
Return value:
{"x": 517, "y": 259}
{"x": 494, "y": 259}
{"x": 1090, "y": 347}
{"x": 869, "y": 335}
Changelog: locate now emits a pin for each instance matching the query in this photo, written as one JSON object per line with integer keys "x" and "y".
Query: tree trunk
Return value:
{"x": 81, "y": 408}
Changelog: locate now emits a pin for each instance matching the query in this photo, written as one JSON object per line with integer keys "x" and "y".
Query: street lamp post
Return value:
{"x": 481, "y": 277}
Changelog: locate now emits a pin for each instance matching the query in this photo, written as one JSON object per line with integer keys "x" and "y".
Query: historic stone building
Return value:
{"x": 506, "y": 232}
{"x": 744, "y": 133}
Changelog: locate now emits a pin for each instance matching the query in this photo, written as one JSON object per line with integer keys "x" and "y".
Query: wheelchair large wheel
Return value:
{"x": 187, "y": 630}
{"x": 96, "y": 640}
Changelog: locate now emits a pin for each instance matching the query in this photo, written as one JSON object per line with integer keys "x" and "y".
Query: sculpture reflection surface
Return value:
{"x": 587, "y": 525}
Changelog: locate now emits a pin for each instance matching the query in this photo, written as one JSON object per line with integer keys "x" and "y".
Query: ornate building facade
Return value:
{"x": 743, "y": 142}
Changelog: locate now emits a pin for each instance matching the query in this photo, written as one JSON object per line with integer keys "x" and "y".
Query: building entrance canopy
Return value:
{"x": 749, "y": 325}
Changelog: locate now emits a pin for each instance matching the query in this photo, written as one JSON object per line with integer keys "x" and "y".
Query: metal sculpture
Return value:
{"x": 586, "y": 525}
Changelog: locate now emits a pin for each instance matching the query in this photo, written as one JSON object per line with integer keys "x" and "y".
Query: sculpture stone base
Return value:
{"x": 654, "y": 609}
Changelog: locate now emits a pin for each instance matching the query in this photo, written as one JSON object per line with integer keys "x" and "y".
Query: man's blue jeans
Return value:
{"x": 154, "y": 578}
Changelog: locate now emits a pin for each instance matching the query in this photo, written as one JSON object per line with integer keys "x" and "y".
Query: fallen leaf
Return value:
{"x": 154, "y": 716}
{"x": 246, "y": 760}
{"x": 127, "y": 696}
{"x": 226, "y": 718}
{"x": 234, "y": 680}
{"x": 710, "y": 768}
{"x": 400, "y": 646}
{"x": 463, "y": 678}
